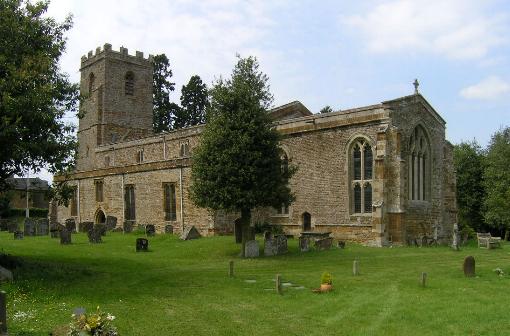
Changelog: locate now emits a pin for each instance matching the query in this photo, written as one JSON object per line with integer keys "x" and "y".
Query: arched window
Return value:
{"x": 418, "y": 164}
{"x": 361, "y": 157}
{"x": 129, "y": 86}
{"x": 92, "y": 78}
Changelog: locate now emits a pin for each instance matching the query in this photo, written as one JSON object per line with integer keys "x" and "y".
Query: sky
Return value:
{"x": 340, "y": 53}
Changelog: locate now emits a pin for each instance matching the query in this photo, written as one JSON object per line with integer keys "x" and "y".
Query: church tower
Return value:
{"x": 118, "y": 101}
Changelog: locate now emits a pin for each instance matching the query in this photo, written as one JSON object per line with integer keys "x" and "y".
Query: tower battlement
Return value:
{"x": 122, "y": 54}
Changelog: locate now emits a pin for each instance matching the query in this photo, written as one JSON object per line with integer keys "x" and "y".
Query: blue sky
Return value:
{"x": 339, "y": 53}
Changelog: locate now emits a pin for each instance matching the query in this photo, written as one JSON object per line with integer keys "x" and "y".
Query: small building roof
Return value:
{"x": 34, "y": 183}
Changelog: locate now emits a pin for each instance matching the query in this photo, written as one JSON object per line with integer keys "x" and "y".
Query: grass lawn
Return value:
{"x": 183, "y": 288}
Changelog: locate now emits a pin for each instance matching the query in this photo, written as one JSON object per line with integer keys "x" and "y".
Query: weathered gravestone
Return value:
{"x": 169, "y": 229}
{"x": 142, "y": 245}
{"x": 268, "y": 235}
{"x": 42, "y": 227}
{"x": 13, "y": 226}
{"x": 128, "y": 227}
{"x": 85, "y": 226}
{"x": 65, "y": 236}
{"x": 304, "y": 244}
{"x": 18, "y": 235}
{"x": 3, "y": 313}
{"x": 251, "y": 249}
{"x": 55, "y": 230}
{"x": 150, "y": 230}
{"x": 323, "y": 243}
{"x": 70, "y": 224}
{"x": 111, "y": 222}
{"x": 456, "y": 237}
{"x": 469, "y": 266}
{"x": 101, "y": 227}
{"x": 95, "y": 235}
{"x": 270, "y": 247}
{"x": 281, "y": 244}
{"x": 190, "y": 233}
{"x": 29, "y": 227}
{"x": 5, "y": 274}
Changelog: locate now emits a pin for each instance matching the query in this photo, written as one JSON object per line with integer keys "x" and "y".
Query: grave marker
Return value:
{"x": 231, "y": 269}
{"x": 95, "y": 235}
{"x": 70, "y": 225}
{"x": 65, "y": 236}
{"x": 169, "y": 229}
{"x": 423, "y": 280}
{"x": 29, "y": 228}
{"x": 251, "y": 249}
{"x": 278, "y": 284}
{"x": 128, "y": 227}
{"x": 355, "y": 268}
{"x": 18, "y": 235}
{"x": 469, "y": 266}
{"x": 150, "y": 230}
{"x": 142, "y": 245}
{"x": 111, "y": 222}
{"x": 42, "y": 227}
{"x": 304, "y": 244}
{"x": 190, "y": 233}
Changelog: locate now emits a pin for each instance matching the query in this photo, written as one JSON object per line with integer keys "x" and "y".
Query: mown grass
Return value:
{"x": 183, "y": 288}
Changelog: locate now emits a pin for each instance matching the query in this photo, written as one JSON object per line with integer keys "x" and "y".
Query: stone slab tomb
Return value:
{"x": 190, "y": 233}
{"x": 150, "y": 230}
{"x": 251, "y": 249}
{"x": 65, "y": 236}
{"x": 142, "y": 245}
{"x": 111, "y": 222}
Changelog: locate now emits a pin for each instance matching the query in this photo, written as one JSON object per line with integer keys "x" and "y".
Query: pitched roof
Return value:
{"x": 35, "y": 183}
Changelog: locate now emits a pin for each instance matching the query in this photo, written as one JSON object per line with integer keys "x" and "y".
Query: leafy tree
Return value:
{"x": 326, "y": 109}
{"x": 34, "y": 94}
{"x": 497, "y": 181}
{"x": 237, "y": 166}
{"x": 163, "y": 110}
{"x": 194, "y": 102}
{"x": 468, "y": 158}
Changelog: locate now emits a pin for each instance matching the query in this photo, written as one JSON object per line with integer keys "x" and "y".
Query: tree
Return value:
{"x": 34, "y": 94}
{"x": 163, "y": 110}
{"x": 326, "y": 109}
{"x": 468, "y": 159}
{"x": 497, "y": 181}
{"x": 237, "y": 166}
{"x": 194, "y": 102}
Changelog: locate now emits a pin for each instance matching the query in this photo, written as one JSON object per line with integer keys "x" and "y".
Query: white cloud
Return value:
{"x": 490, "y": 88}
{"x": 457, "y": 29}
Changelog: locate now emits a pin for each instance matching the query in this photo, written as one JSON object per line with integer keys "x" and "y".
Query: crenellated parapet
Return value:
{"x": 122, "y": 55}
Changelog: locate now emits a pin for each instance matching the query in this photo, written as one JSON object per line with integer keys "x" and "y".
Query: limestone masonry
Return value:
{"x": 377, "y": 174}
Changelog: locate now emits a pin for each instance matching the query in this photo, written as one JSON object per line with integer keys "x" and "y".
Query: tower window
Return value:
{"x": 139, "y": 156}
{"x": 184, "y": 152}
{"x": 129, "y": 85}
{"x": 91, "y": 83}
{"x": 99, "y": 190}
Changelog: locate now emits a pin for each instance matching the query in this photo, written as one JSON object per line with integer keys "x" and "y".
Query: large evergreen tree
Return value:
{"x": 497, "y": 181}
{"x": 237, "y": 166}
{"x": 194, "y": 102}
{"x": 34, "y": 93}
{"x": 469, "y": 165}
{"x": 163, "y": 109}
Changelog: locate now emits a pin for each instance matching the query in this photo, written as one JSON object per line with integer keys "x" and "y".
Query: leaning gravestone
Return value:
{"x": 169, "y": 229}
{"x": 101, "y": 227}
{"x": 251, "y": 249}
{"x": 18, "y": 235}
{"x": 270, "y": 247}
{"x": 304, "y": 244}
{"x": 65, "y": 236}
{"x": 42, "y": 227}
{"x": 281, "y": 244}
{"x": 70, "y": 224}
{"x": 111, "y": 222}
{"x": 190, "y": 233}
{"x": 95, "y": 235}
{"x": 142, "y": 245}
{"x": 128, "y": 227}
{"x": 469, "y": 266}
{"x": 150, "y": 230}
{"x": 29, "y": 227}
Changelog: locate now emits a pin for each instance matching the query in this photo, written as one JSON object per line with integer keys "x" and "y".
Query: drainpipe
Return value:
{"x": 122, "y": 198}
{"x": 181, "y": 197}
{"x": 164, "y": 147}
{"x": 78, "y": 202}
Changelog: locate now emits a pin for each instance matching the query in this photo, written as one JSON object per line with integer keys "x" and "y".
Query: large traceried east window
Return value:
{"x": 418, "y": 165}
{"x": 361, "y": 157}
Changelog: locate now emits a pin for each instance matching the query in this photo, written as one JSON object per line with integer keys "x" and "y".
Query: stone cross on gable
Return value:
{"x": 416, "y": 84}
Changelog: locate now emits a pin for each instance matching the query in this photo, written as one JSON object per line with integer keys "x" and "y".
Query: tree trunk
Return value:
{"x": 507, "y": 234}
{"x": 245, "y": 229}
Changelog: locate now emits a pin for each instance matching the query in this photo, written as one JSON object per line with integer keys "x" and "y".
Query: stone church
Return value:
{"x": 376, "y": 174}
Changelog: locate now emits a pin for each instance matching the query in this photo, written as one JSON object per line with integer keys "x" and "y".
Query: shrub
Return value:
{"x": 326, "y": 278}
{"x": 96, "y": 324}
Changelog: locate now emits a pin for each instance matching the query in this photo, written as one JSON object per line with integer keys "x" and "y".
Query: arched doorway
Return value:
{"x": 100, "y": 217}
{"x": 307, "y": 221}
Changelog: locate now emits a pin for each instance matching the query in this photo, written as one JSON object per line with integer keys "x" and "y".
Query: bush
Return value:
{"x": 326, "y": 278}
{"x": 34, "y": 212}
{"x": 97, "y": 324}
{"x": 262, "y": 227}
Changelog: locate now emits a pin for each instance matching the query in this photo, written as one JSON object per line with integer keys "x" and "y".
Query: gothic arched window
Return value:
{"x": 418, "y": 164}
{"x": 91, "y": 83}
{"x": 361, "y": 168}
{"x": 129, "y": 85}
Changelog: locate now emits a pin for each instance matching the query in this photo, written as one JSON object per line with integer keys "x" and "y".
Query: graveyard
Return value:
{"x": 184, "y": 287}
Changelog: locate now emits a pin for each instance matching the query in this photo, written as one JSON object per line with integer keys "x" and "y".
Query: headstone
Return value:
{"x": 65, "y": 236}
{"x": 29, "y": 227}
{"x": 3, "y": 313}
{"x": 324, "y": 243}
{"x": 268, "y": 235}
{"x": 304, "y": 244}
{"x": 341, "y": 244}
{"x": 5, "y": 274}
{"x": 150, "y": 230}
{"x": 190, "y": 233}
{"x": 169, "y": 229}
{"x": 13, "y": 226}
{"x": 95, "y": 235}
{"x": 42, "y": 227}
{"x": 455, "y": 238}
{"x": 101, "y": 227}
{"x": 238, "y": 231}
{"x": 128, "y": 227}
{"x": 270, "y": 247}
{"x": 281, "y": 244}
{"x": 70, "y": 224}
{"x": 469, "y": 266}
{"x": 18, "y": 235}
{"x": 278, "y": 284}
{"x": 85, "y": 226}
{"x": 355, "y": 268}
{"x": 111, "y": 222}
{"x": 251, "y": 249}
{"x": 423, "y": 280}
{"x": 55, "y": 230}
{"x": 142, "y": 245}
